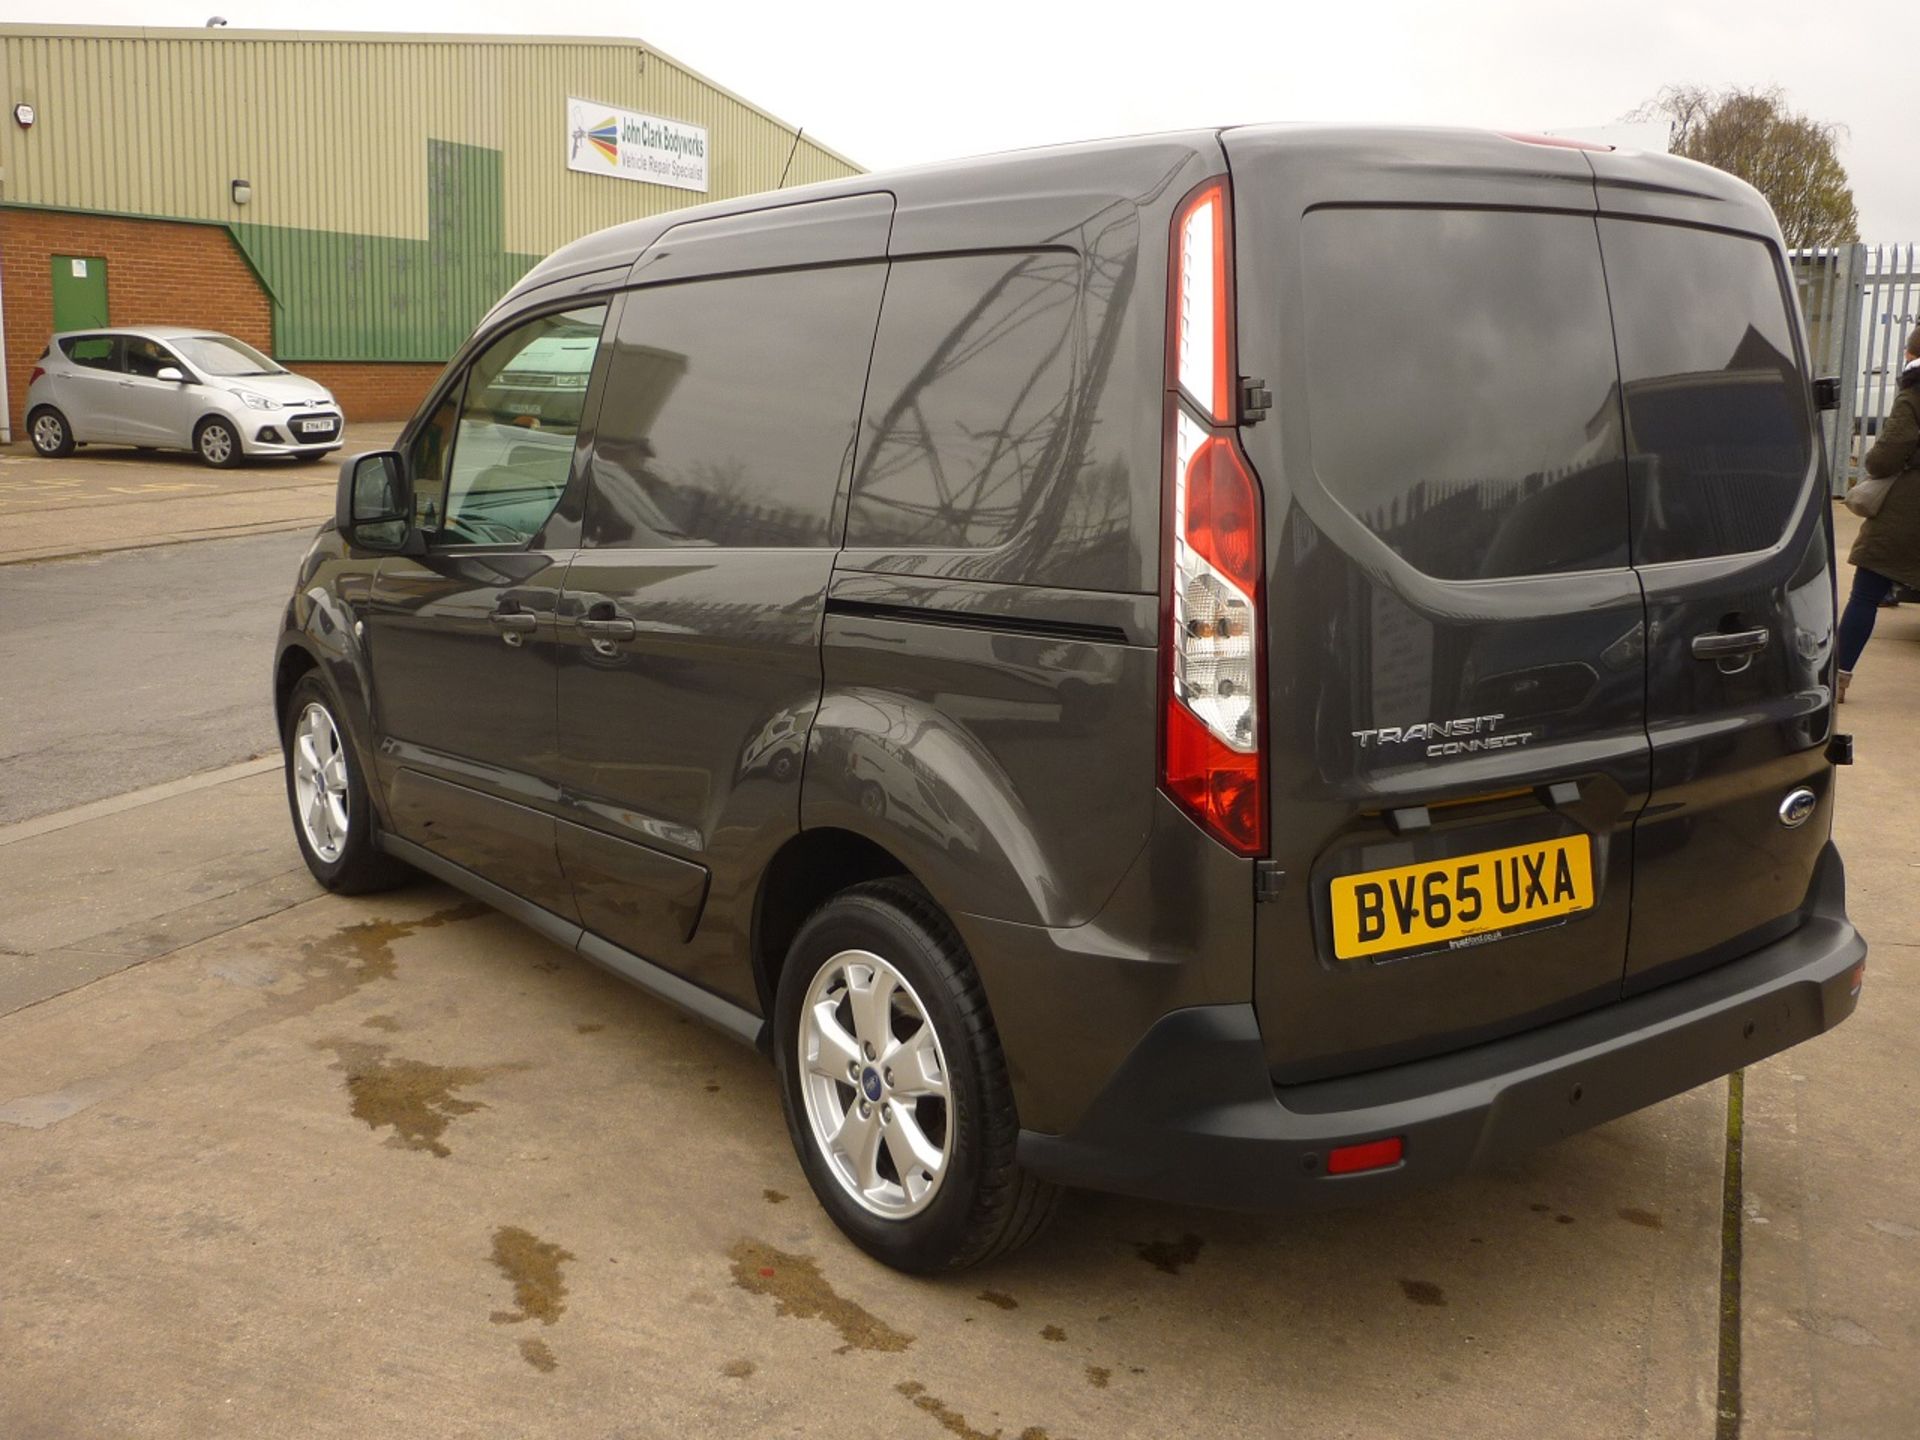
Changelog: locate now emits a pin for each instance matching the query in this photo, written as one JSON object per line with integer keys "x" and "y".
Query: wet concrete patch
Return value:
{"x": 1423, "y": 1292}
{"x": 415, "y": 1098}
{"x": 1053, "y": 1333}
{"x": 588, "y": 1027}
{"x": 737, "y": 1369}
{"x": 382, "y": 1022}
{"x": 999, "y": 1300}
{"x": 800, "y": 1291}
{"x": 1099, "y": 1376}
{"x": 537, "y": 1353}
{"x": 772, "y": 1196}
{"x": 1168, "y": 1256}
{"x": 1645, "y": 1219}
{"x": 533, "y": 1265}
{"x": 368, "y": 945}
{"x": 951, "y": 1420}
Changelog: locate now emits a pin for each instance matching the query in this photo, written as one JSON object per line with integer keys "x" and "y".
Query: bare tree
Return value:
{"x": 1792, "y": 160}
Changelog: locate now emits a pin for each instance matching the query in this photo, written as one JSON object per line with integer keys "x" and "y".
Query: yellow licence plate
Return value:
{"x": 1441, "y": 901}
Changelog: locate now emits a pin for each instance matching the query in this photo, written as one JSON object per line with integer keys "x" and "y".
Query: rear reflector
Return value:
{"x": 1373, "y": 1155}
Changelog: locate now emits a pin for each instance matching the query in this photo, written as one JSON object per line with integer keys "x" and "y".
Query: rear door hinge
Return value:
{"x": 1255, "y": 400}
{"x": 1268, "y": 881}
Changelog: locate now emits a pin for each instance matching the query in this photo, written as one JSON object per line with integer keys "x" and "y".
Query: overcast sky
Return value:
{"x": 897, "y": 83}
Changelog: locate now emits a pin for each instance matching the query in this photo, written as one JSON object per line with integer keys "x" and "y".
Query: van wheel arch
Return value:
{"x": 807, "y": 871}
{"x": 294, "y": 662}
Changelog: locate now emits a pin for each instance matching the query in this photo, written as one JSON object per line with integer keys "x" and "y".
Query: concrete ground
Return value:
{"x": 274, "y": 1162}
{"x": 111, "y": 497}
{"x": 131, "y": 668}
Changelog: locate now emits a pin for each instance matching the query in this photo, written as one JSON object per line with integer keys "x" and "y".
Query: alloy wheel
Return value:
{"x": 873, "y": 1082}
{"x": 216, "y": 444}
{"x": 320, "y": 783}
{"x": 48, "y": 433}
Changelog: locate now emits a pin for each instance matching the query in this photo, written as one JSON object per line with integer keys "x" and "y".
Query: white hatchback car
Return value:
{"x": 174, "y": 387}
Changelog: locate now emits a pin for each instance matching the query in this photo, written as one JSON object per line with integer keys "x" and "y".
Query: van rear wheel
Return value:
{"x": 895, "y": 1089}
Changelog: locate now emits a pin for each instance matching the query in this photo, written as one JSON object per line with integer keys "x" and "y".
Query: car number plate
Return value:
{"x": 1465, "y": 898}
{"x": 316, "y": 427}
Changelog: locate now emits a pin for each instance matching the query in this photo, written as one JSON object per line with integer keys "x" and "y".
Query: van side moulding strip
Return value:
{"x": 723, "y": 1015}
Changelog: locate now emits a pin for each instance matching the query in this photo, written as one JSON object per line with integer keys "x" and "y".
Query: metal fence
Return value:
{"x": 1860, "y": 303}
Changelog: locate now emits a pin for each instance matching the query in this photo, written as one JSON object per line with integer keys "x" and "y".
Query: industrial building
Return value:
{"x": 349, "y": 203}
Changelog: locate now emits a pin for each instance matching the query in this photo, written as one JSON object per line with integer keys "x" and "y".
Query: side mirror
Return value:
{"x": 1826, "y": 393}
{"x": 373, "y": 504}
{"x": 170, "y": 372}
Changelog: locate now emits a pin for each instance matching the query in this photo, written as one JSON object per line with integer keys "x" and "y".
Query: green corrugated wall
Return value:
{"x": 400, "y": 183}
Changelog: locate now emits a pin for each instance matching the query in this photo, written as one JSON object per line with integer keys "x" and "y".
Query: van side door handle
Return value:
{"x": 601, "y": 627}
{"x": 513, "y": 623}
{"x": 1727, "y": 645}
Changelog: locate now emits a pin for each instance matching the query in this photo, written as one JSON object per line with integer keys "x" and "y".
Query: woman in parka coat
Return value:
{"x": 1887, "y": 550}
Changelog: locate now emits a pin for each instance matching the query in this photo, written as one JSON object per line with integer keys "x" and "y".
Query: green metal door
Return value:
{"x": 79, "y": 292}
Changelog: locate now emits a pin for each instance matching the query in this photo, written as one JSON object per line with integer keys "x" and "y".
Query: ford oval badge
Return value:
{"x": 1797, "y": 808}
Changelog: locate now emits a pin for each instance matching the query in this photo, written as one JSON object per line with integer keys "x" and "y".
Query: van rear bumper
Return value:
{"x": 1192, "y": 1115}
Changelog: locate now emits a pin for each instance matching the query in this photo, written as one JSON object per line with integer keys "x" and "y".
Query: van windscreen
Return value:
{"x": 1718, "y": 431}
{"x": 1462, "y": 399}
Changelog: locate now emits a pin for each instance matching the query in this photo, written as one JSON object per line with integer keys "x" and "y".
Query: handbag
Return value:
{"x": 1866, "y": 498}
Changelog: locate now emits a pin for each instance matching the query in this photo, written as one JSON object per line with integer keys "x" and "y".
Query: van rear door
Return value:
{"x": 1731, "y": 539}
{"x": 1457, "y": 727}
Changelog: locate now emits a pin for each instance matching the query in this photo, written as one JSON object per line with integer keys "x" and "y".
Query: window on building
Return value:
{"x": 519, "y": 421}
{"x": 730, "y": 410}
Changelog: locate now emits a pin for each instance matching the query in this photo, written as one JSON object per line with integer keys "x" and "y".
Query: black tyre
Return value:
{"x": 333, "y": 819}
{"x": 51, "y": 435}
{"x": 894, "y": 1086}
{"x": 218, "y": 443}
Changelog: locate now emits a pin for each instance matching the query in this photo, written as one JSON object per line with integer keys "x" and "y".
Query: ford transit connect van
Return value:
{"x": 1252, "y": 667}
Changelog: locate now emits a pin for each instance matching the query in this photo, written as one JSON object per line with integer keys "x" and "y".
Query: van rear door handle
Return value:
{"x": 1722, "y": 645}
{"x": 515, "y": 622}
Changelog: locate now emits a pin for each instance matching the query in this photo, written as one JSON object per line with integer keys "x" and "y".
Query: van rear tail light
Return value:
{"x": 35, "y": 373}
{"x": 1212, "y": 742}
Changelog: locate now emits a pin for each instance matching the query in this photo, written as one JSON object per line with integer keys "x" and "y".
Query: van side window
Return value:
{"x": 519, "y": 419}
{"x": 730, "y": 410}
{"x": 1718, "y": 432}
{"x": 1461, "y": 387}
{"x": 968, "y": 405}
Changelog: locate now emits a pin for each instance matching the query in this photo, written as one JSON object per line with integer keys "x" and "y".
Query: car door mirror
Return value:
{"x": 373, "y": 506}
{"x": 170, "y": 372}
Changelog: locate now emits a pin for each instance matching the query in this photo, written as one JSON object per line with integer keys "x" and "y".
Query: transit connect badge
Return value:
{"x": 1468, "y": 735}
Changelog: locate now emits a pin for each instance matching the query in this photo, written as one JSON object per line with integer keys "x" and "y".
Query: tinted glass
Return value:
{"x": 730, "y": 409}
{"x": 148, "y": 357}
{"x": 1462, "y": 391}
{"x": 519, "y": 418}
{"x": 427, "y": 460}
{"x": 96, "y": 352}
{"x": 969, "y": 402}
{"x": 1716, "y": 408}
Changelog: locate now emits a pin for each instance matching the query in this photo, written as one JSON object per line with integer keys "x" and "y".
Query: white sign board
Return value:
{"x": 603, "y": 140}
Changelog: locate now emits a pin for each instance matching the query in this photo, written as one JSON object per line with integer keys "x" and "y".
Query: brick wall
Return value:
{"x": 372, "y": 390}
{"x": 159, "y": 272}
{"x": 165, "y": 272}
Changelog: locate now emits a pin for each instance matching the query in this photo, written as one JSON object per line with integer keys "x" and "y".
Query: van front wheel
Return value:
{"x": 894, "y": 1086}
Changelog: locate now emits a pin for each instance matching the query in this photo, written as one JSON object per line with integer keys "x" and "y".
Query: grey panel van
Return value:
{"x": 1254, "y": 667}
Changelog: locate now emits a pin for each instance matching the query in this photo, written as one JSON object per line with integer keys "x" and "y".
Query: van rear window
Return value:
{"x": 1718, "y": 429}
{"x": 1462, "y": 389}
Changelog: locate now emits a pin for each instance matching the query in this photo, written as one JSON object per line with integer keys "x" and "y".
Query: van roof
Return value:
{"x": 952, "y": 199}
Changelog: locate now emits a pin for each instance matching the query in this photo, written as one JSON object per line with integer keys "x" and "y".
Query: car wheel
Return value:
{"x": 332, "y": 812}
{"x": 51, "y": 435}
{"x": 894, "y": 1086}
{"x": 216, "y": 442}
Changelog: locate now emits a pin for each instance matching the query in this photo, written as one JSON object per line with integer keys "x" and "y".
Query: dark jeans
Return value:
{"x": 1863, "y": 607}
